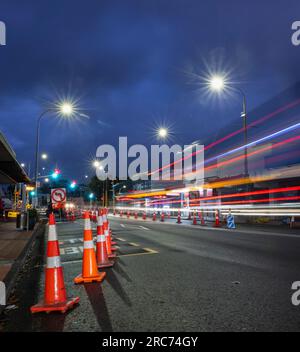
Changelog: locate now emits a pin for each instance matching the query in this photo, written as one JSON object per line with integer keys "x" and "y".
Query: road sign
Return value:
{"x": 58, "y": 195}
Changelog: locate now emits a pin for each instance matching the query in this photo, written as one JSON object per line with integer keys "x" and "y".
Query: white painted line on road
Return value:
{"x": 133, "y": 244}
{"x": 120, "y": 239}
{"x": 144, "y": 228}
{"x": 122, "y": 225}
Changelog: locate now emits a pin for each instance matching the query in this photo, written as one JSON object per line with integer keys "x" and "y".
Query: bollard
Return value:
{"x": 230, "y": 221}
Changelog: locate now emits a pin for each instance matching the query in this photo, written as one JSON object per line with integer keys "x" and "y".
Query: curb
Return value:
{"x": 18, "y": 264}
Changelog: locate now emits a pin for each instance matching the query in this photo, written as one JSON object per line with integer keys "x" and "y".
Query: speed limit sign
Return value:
{"x": 58, "y": 195}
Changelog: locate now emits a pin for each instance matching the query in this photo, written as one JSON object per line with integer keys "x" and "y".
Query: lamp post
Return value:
{"x": 218, "y": 83}
{"x": 64, "y": 109}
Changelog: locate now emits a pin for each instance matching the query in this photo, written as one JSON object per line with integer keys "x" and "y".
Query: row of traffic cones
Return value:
{"x": 55, "y": 296}
{"x": 217, "y": 222}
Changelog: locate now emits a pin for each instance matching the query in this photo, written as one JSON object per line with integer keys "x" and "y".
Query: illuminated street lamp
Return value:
{"x": 63, "y": 109}
{"x": 162, "y": 132}
{"x": 44, "y": 156}
{"x": 96, "y": 163}
{"x": 218, "y": 83}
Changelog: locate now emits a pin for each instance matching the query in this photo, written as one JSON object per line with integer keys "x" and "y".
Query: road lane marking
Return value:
{"x": 144, "y": 228}
{"x": 133, "y": 244}
{"x": 120, "y": 239}
{"x": 122, "y": 225}
{"x": 147, "y": 251}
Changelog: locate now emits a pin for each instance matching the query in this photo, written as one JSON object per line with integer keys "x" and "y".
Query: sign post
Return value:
{"x": 58, "y": 197}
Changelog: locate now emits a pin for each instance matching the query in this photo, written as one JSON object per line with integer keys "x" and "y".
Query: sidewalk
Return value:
{"x": 12, "y": 243}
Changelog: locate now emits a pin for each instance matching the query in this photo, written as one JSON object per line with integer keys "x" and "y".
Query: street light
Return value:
{"x": 66, "y": 109}
{"x": 162, "y": 132}
{"x": 44, "y": 156}
{"x": 63, "y": 109}
{"x": 218, "y": 83}
{"x": 96, "y": 163}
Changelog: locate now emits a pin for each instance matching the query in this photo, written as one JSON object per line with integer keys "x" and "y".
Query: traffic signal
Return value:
{"x": 55, "y": 174}
{"x": 73, "y": 184}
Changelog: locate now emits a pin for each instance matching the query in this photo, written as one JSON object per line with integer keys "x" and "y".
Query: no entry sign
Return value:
{"x": 58, "y": 195}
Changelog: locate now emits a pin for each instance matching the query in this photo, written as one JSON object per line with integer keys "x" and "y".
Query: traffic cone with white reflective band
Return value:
{"x": 90, "y": 271}
{"x": 107, "y": 236}
{"x": 217, "y": 219}
{"x": 178, "y": 218}
{"x": 101, "y": 251}
{"x": 144, "y": 215}
{"x": 162, "y": 217}
{"x": 55, "y": 296}
{"x": 112, "y": 243}
{"x": 201, "y": 216}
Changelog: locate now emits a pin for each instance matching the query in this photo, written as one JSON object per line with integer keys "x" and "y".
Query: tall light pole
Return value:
{"x": 64, "y": 109}
{"x": 217, "y": 83}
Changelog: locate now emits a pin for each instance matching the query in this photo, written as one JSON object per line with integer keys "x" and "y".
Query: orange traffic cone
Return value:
{"x": 107, "y": 236}
{"x": 101, "y": 251}
{"x": 90, "y": 272}
{"x": 55, "y": 296}
{"x": 194, "y": 219}
{"x": 201, "y": 218}
{"x": 217, "y": 219}
{"x": 144, "y": 215}
{"x": 154, "y": 216}
{"x": 162, "y": 217}
{"x": 112, "y": 243}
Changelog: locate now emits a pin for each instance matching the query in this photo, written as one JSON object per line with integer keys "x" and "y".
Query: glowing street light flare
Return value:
{"x": 217, "y": 83}
{"x": 162, "y": 132}
{"x": 96, "y": 163}
{"x": 66, "y": 109}
{"x": 44, "y": 156}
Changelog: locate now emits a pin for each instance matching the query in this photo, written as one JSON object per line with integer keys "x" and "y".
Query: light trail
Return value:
{"x": 255, "y": 152}
{"x": 255, "y": 123}
{"x": 233, "y": 195}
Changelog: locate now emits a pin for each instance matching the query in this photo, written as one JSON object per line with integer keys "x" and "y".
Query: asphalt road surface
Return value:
{"x": 170, "y": 278}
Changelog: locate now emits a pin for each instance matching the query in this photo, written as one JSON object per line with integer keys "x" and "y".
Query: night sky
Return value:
{"x": 132, "y": 66}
